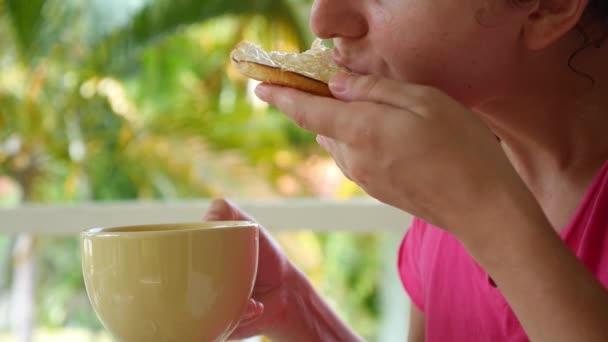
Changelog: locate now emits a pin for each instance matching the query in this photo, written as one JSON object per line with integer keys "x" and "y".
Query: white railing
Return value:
{"x": 282, "y": 215}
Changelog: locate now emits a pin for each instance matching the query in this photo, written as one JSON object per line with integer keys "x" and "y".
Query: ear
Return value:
{"x": 549, "y": 20}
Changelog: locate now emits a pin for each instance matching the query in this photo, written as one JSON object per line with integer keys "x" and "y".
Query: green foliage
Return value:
{"x": 352, "y": 271}
{"x": 97, "y": 106}
{"x": 65, "y": 302}
{"x": 26, "y": 20}
{"x": 157, "y": 19}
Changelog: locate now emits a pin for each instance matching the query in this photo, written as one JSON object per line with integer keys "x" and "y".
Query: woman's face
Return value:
{"x": 470, "y": 49}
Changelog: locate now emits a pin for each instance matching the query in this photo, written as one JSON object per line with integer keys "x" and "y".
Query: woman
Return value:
{"x": 488, "y": 121}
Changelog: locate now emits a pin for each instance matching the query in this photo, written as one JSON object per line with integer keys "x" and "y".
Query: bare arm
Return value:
{"x": 553, "y": 295}
{"x": 416, "y": 333}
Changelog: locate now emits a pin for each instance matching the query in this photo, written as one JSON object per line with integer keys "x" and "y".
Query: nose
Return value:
{"x": 338, "y": 19}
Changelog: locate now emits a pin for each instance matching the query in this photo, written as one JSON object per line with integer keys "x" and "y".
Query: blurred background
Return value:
{"x": 135, "y": 100}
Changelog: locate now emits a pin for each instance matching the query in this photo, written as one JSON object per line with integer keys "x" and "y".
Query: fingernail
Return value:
{"x": 259, "y": 307}
{"x": 338, "y": 83}
{"x": 214, "y": 212}
{"x": 254, "y": 309}
{"x": 262, "y": 91}
{"x": 321, "y": 140}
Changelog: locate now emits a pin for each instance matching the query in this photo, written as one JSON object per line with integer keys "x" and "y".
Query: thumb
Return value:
{"x": 223, "y": 210}
{"x": 348, "y": 87}
{"x": 219, "y": 210}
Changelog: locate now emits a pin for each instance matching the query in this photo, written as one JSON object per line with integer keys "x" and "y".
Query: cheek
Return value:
{"x": 466, "y": 67}
{"x": 462, "y": 57}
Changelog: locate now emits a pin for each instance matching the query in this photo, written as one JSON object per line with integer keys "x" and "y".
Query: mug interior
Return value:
{"x": 169, "y": 227}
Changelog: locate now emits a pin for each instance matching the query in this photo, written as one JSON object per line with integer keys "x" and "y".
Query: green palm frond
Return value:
{"x": 158, "y": 19}
{"x": 40, "y": 26}
{"x": 51, "y": 116}
{"x": 26, "y": 17}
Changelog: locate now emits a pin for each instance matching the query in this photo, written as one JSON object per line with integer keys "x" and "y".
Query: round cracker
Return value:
{"x": 278, "y": 76}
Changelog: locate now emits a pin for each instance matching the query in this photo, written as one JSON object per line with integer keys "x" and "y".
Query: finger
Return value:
{"x": 218, "y": 210}
{"x": 336, "y": 150}
{"x": 326, "y": 116}
{"x": 246, "y": 327}
{"x": 381, "y": 90}
{"x": 324, "y": 142}
{"x": 254, "y": 311}
{"x": 224, "y": 210}
{"x": 245, "y": 332}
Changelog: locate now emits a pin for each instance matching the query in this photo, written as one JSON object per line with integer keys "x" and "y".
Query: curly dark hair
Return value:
{"x": 597, "y": 12}
{"x": 600, "y": 8}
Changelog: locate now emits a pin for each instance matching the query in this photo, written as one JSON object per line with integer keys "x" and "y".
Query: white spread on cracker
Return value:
{"x": 316, "y": 63}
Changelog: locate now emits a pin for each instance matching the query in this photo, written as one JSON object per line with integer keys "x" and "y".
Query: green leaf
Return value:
{"x": 161, "y": 18}
{"x": 26, "y": 18}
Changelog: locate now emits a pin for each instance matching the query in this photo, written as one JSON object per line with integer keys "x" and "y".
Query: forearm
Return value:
{"x": 553, "y": 295}
{"x": 309, "y": 318}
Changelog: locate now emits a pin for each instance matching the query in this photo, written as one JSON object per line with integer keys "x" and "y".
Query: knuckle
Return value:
{"x": 359, "y": 173}
{"x": 364, "y": 134}
{"x": 369, "y": 137}
{"x": 369, "y": 84}
{"x": 426, "y": 98}
{"x": 345, "y": 171}
{"x": 427, "y": 94}
{"x": 300, "y": 118}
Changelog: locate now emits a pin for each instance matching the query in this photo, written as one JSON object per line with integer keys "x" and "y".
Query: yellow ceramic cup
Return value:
{"x": 170, "y": 282}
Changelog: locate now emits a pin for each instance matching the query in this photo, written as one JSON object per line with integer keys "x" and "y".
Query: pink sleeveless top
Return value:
{"x": 458, "y": 298}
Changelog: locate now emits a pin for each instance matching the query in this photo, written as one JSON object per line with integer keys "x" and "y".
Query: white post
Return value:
{"x": 394, "y": 303}
{"x": 23, "y": 289}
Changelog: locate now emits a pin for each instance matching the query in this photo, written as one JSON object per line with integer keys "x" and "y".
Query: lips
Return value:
{"x": 342, "y": 60}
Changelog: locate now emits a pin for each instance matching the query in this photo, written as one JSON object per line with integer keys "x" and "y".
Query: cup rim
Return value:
{"x": 172, "y": 228}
